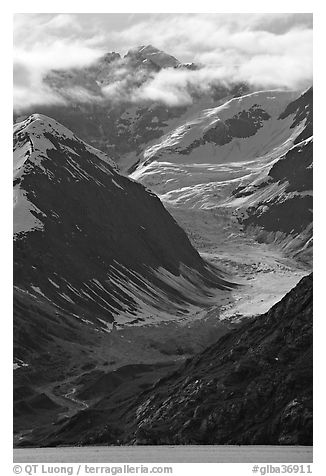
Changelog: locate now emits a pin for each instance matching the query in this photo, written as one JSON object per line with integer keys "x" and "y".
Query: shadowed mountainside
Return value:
{"x": 93, "y": 242}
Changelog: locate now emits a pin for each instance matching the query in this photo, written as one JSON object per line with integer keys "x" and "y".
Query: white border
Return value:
{"x": 168, "y": 6}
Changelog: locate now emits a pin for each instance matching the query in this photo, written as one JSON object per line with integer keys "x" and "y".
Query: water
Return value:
{"x": 166, "y": 454}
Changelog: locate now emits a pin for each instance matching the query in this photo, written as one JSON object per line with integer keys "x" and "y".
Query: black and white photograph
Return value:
{"x": 163, "y": 238}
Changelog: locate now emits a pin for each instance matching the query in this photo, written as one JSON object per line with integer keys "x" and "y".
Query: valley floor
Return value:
{"x": 166, "y": 454}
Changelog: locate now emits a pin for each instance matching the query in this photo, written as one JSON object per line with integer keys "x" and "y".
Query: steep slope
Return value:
{"x": 213, "y": 150}
{"x": 253, "y": 386}
{"x": 93, "y": 242}
{"x": 249, "y": 118}
{"x": 278, "y": 206}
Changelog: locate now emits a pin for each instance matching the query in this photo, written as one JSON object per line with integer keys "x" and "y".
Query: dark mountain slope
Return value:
{"x": 254, "y": 386}
{"x": 93, "y": 242}
{"x": 302, "y": 107}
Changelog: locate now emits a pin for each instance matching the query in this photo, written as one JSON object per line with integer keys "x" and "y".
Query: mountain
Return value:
{"x": 110, "y": 294}
{"x": 94, "y": 253}
{"x": 90, "y": 240}
{"x": 97, "y": 102}
{"x": 252, "y": 156}
{"x": 141, "y": 62}
{"x": 236, "y": 134}
{"x": 253, "y": 386}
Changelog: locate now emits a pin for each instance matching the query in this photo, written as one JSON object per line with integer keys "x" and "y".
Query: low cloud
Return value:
{"x": 178, "y": 87}
{"x": 191, "y": 36}
{"x": 124, "y": 81}
{"x": 42, "y": 44}
{"x": 264, "y": 50}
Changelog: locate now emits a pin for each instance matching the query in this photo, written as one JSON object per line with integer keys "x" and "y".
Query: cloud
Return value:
{"x": 177, "y": 87}
{"x": 265, "y": 50}
{"x": 190, "y": 36}
{"x": 43, "y": 43}
{"x": 125, "y": 80}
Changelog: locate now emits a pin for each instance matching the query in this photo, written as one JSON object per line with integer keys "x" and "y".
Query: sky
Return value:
{"x": 268, "y": 50}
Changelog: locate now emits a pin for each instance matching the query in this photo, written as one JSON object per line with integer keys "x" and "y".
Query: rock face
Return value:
{"x": 254, "y": 386}
{"x": 302, "y": 107}
{"x": 150, "y": 54}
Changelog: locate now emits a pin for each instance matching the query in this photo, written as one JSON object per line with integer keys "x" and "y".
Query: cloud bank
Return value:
{"x": 43, "y": 43}
{"x": 264, "y": 50}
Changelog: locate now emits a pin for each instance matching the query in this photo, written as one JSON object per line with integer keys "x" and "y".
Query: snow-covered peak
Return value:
{"x": 37, "y": 124}
{"x": 48, "y": 153}
{"x": 35, "y": 135}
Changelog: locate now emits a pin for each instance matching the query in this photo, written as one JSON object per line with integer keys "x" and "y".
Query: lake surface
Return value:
{"x": 166, "y": 454}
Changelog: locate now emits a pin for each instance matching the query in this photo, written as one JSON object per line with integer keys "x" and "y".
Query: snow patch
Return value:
{"x": 19, "y": 363}
{"x": 116, "y": 184}
{"x": 25, "y": 212}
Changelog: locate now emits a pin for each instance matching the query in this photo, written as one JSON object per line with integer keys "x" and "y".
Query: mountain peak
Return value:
{"x": 36, "y": 124}
{"x": 39, "y": 133}
{"x": 146, "y": 53}
{"x": 147, "y": 48}
{"x": 110, "y": 57}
